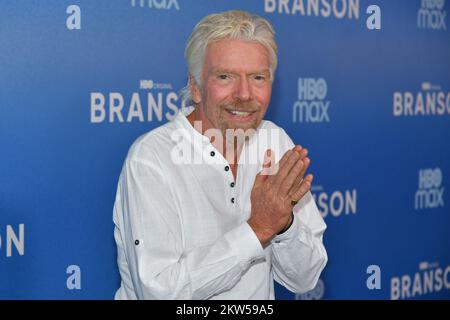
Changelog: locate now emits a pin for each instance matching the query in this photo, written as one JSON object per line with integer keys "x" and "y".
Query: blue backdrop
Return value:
{"x": 364, "y": 84}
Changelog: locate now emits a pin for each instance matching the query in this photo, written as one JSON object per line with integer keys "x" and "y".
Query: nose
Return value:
{"x": 243, "y": 90}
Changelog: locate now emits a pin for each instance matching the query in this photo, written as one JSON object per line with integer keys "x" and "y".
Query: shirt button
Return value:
{"x": 212, "y": 153}
{"x": 136, "y": 242}
{"x": 232, "y": 184}
{"x": 227, "y": 168}
{"x": 232, "y": 200}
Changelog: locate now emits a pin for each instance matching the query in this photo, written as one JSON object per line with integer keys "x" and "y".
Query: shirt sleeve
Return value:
{"x": 298, "y": 254}
{"x": 151, "y": 253}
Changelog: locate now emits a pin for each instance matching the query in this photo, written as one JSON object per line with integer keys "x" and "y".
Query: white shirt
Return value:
{"x": 181, "y": 229}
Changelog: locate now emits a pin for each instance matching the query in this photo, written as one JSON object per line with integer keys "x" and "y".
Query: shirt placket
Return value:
{"x": 230, "y": 192}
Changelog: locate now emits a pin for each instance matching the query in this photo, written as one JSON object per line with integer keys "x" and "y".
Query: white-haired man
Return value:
{"x": 224, "y": 227}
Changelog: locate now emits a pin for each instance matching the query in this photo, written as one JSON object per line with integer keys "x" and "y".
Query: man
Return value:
{"x": 195, "y": 216}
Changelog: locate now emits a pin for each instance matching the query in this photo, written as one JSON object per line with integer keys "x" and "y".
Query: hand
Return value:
{"x": 274, "y": 189}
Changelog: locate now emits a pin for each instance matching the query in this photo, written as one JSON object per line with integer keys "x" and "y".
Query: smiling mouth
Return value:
{"x": 241, "y": 116}
{"x": 238, "y": 113}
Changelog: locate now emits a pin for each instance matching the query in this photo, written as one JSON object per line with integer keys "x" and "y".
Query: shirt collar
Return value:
{"x": 182, "y": 122}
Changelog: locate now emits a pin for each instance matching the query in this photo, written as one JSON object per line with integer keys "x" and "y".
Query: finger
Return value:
{"x": 302, "y": 152}
{"x": 285, "y": 166}
{"x": 289, "y": 181}
{"x": 307, "y": 163}
{"x": 303, "y": 188}
{"x": 298, "y": 180}
{"x": 297, "y": 148}
{"x": 275, "y": 167}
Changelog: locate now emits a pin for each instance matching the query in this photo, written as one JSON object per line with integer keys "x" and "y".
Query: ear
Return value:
{"x": 195, "y": 91}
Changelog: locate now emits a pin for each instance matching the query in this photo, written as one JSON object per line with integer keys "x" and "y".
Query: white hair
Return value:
{"x": 233, "y": 24}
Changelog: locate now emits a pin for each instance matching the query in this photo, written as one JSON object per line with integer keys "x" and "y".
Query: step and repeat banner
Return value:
{"x": 363, "y": 84}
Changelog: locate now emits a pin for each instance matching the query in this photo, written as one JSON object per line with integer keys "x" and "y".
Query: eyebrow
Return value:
{"x": 222, "y": 70}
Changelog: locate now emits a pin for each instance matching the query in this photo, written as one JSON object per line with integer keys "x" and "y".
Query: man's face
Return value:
{"x": 236, "y": 85}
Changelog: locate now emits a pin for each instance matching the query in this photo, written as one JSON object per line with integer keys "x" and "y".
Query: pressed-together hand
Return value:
{"x": 275, "y": 187}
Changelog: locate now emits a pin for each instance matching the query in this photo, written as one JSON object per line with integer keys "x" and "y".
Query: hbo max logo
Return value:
{"x": 311, "y": 105}
{"x": 432, "y": 15}
{"x": 430, "y": 193}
